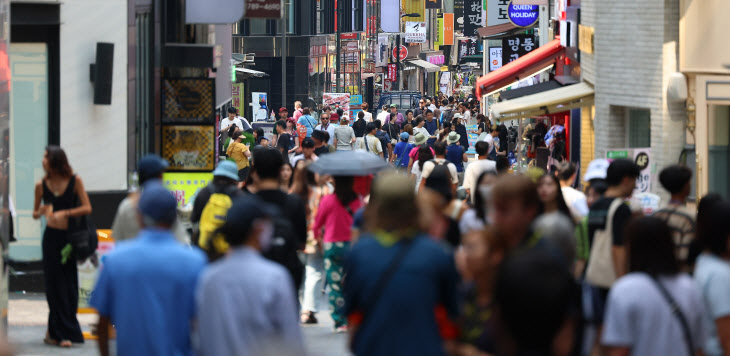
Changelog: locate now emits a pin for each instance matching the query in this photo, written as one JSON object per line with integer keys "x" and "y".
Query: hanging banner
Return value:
{"x": 514, "y": 47}
{"x": 391, "y": 71}
{"x": 459, "y": 15}
{"x": 439, "y": 32}
{"x": 472, "y": 17}
{"x": 448, "y": 30}
{"x": 238, "y": 98}
{"x": 415, "y": 32}
{"x": 433, "y": 4}
{"x": 497, "y": 12}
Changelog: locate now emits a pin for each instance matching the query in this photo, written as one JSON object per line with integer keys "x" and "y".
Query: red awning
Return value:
{"x": 521, "y": 68}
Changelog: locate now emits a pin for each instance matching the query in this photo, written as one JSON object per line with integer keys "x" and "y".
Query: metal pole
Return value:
{"x": 338, "y": 44}
{"x": 397, "y": 63}
{"x": 283, "y": 59}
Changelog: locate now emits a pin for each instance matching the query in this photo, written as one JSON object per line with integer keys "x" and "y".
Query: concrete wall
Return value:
{"x": 94, "y": 136}
{"x": 636, "y": 48}
{"x": 704, "y": 36}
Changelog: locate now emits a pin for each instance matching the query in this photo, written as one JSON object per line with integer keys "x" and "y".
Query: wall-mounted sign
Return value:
{"x": 472, "y": 17}
{"x": 497, "y": 12}
{"x": 585, "y": 41}
{"x": 459, "y": 15}
{"x": 433, "y": 4}
{"x": 448, "y": 37}
{"x": 185, "y": 186}
{"x": 530, "y": 2}
{"x": 189, "y": 101}
{"x": 495, "y": 58}
{"x": 381, "y": 52}
{"x": 403, "y": 52}
{"x": 523, "y": 15}
{"x": 514, "y": 47}
{"x": 415, "y": 32}
{"x": 263, "y": 9}
{"x": 391, "y": 71}
{"x": 189, "y": 147}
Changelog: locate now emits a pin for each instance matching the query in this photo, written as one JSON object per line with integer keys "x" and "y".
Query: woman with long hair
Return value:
{"x": 551, "y": 197}
{"x": 335, "y": 215}
{"x": 63, "y": 197}
{"x": 287, "y": 176}
{"x": 444, "y": 133}
{"x": 291, "y": 129}
{"x": 425, "y": 154}
{"x": 258, "y": 135}
{"x": 645, "y": 307}
{"x": 409, "y": 129}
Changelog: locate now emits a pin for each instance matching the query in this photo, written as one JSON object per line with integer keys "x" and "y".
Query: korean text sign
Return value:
{"x": 514, "y": 47}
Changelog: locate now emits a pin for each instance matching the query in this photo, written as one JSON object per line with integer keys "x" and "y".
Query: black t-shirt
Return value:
{"x": 292, "y": 208}
{"x": 284, "y": 141}
{"x": 322, "y": 150}
{"x": 359, "y": 127}
{"x": 393, "y": 130}
{"x": 599, "y": 214}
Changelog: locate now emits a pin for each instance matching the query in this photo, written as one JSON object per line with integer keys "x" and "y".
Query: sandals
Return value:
{"x": 308, "y": 318}
{"x": 64, "y": 343}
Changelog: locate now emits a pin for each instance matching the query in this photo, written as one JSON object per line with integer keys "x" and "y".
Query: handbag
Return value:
{"x": 403, "y": 154}
{"x": 82, "y": 234}
{"x": 600, "y": 271}
{"x": 677, "y": 311}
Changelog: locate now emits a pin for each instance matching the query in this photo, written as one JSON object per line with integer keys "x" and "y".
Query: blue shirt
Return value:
{"x": 402, "y": 322}
{"x": 455, "y": 155}
{"x": 247, "y": 306}
{"x": 147, "y": 288}
{"x": 431, "y": 127}
{"x": 309, "y": 122}
{"x": 402, "y": 148}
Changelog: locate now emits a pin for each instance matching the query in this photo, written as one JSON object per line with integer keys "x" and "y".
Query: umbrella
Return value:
{"x": 348, "y": 163}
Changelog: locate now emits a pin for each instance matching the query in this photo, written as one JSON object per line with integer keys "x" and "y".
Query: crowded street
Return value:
{"x": 365, "y": 178}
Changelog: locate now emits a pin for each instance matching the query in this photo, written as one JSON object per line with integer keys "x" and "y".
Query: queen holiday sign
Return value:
{"x": 523, "y": 15}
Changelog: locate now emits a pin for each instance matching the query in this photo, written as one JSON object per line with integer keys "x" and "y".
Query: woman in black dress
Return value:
{"x": 63, "y": 197}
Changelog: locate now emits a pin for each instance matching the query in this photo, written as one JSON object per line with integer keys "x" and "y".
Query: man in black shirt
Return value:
{"x": 319, "y": 143}
{"x": 283, "y": 139}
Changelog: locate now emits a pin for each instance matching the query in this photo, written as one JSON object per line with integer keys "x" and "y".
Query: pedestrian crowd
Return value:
{"x": 438, "y": 256}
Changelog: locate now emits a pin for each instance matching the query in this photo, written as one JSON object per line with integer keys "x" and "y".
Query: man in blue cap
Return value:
{"x": 126, "y": 225}
{"x": 266, "y": 323}
{"x": 146, "y": 287}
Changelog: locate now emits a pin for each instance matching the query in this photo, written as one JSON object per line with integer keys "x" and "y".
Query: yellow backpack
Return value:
{"x": 211, "y": 219}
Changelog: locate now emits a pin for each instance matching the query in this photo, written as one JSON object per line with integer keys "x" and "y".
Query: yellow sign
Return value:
{"x": 585, "y": 38}
{"x": 188, "y": 100}
{"x": 189, "y": 147}
{"x": 185, "y": 186}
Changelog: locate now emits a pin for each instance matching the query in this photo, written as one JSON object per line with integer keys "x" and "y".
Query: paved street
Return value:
{"x": 28, "y": 314}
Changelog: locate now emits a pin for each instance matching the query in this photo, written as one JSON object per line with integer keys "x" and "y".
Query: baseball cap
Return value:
{"x": 283, "y": 109}
{"x": 308, "y": 143}
{"x": 393, "y": 106}
{"x": 404, "y": 136}
{"x": 151, "y": 166}
{"x": 157, "y": 203}
{"x": 226, "y": 169}
{"x": 232, "y": 110}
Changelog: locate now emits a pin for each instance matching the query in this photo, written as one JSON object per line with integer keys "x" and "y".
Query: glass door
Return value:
{"x": 719, "y": 149}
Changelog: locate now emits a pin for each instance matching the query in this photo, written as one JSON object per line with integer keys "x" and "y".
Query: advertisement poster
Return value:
{"x": 355, "y": 105}
{"x": 415, "y": 32}
{"x": 338, "y": 101}
{"x": 260, "y": 106}
{"x": 444, "y": 83}
{"x": 514, "y": 47}
{"x": 642, "y": 158}
{"x": 189, "y": 147}
{"x": 495, "y": 58}
{"x": 188, "y": 101}
{"x": 381, "y": 55}
{"x": 472, "y": 136}
{"x": 185, "y": 186}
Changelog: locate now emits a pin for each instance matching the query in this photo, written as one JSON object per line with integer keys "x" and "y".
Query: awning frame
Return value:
{"x": 251, "y": 72}
{"x": 428, "y": 67}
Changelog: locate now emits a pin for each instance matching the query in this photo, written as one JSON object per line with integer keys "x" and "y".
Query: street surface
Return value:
{"x": 28, "y": 315}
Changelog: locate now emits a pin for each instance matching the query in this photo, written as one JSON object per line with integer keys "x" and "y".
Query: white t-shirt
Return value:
{"x": 432, "y": 107}
{"x": 368, "y": 117}
{"x": 330, "y": 130}
{"x": 576, "y": 202}
{"x": 429, "y": 166}
{"x": 226, "y": 123}
{"x": 639, "y": 317}
{"x": 490, "y": 140}
{"x": 422, "y": 130}
{"x": 467, "y": 118}
{"x": 300, "y": 157}
{"x": 373, "y": 142}
{"x": 383, "y": 117}
{"x": 473, "y": 171}
{"x": 470, "y": 222}
{"x": 712, "y": 275}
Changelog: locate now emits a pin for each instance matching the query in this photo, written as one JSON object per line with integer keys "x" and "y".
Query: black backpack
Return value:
{"x": 380, "y": 135}
{"x": 284, "y": 246}
{"x": 441, "y": 169}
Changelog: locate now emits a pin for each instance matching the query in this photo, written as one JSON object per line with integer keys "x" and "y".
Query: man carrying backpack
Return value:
{"x": 384, "y": 139}
{"x": 211, "y": 206}
{"x": 290, "y": 226}
{"x": 440, "y": 165}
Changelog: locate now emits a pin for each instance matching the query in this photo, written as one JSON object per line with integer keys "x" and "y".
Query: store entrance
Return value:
{"x": 719, "y": 149}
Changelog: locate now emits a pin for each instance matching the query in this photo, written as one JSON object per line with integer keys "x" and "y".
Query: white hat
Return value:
{"x": 596, "y": 169}
{"x": 457, "y": 115}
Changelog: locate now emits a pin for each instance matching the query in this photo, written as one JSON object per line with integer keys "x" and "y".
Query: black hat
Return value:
{"x": 232, "y": 110}
{"x": 308, "y": 143}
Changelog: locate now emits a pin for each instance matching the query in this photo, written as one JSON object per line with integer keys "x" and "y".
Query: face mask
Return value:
{"x": 266, "y": 235}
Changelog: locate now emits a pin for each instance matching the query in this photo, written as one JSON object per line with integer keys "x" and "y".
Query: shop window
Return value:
{"x": 639, "y": 128}
{"x": 719, "y": 149}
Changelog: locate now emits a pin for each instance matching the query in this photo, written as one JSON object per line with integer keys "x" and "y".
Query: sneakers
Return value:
{"x": 341, "y": 329}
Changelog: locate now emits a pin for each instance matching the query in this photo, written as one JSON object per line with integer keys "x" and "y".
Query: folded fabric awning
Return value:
{"x": 252, "y": 72}
{"x": 524, "y": 67}
{"x": 499, "y": 31}
{"x": 529, "y": 90}
{"x": 547, "y": 102}
{"x": 429, "y": 67}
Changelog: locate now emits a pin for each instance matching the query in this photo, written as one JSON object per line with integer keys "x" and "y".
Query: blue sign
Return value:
{"x": 523, "y": 15}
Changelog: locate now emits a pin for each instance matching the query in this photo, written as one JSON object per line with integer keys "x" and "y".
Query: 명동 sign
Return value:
{"x": 516, "y": 46}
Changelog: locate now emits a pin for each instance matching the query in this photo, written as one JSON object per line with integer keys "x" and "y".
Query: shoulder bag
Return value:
{"x": 677, "y": 312}
{"x": 600, "y": 271}
{"x": 82, "y": 232}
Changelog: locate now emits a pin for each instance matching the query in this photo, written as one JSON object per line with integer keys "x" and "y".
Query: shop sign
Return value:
{"x": 415, "y": 32}
{"x": 448, "y": 30}
{"x": 337, "y": 101}
{"x": 391, "y": 71}
{"x": 348, "y": 36}
{"x": 263, "y": 9}
{"x": 585, "y": 38}
{"x": 516, "y": 46}
{"x": 472, "y": 17}
{"x": 497, "y": 12}
{"x": 523, "y": 15}
{"x": 381, "y": 53}
{"x": 495, "y": 58}
{"x": 642, "y": 158}
{"x": 185, "y": 186}
{"x": 530, "y": 2}
{"x": 459, "y": 12}
{"x": 189, "y": 101}
{"x": 433, "y": 4}
{"x": 438, "y": 59}
{"x": 355, "y": 105}
{"x": 189, "y": 147}
{"x": 403, "y": 52}
{"x": 439, "y": 32}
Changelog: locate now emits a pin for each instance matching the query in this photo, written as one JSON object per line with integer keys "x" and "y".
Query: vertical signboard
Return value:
{"x": 7, "y": 211}
{"x": 439, "y": 32}
{"x": 459, "y": 15}
{"x": 514, "y": 47}
{"x": 495, "y": 58}
{"x": 448, "y": 36}
{"x": 472, "y": 17}
{"x": 381, "y": 53}
{"x": 497, "y": 12}
{"x": 390, "y": 16}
